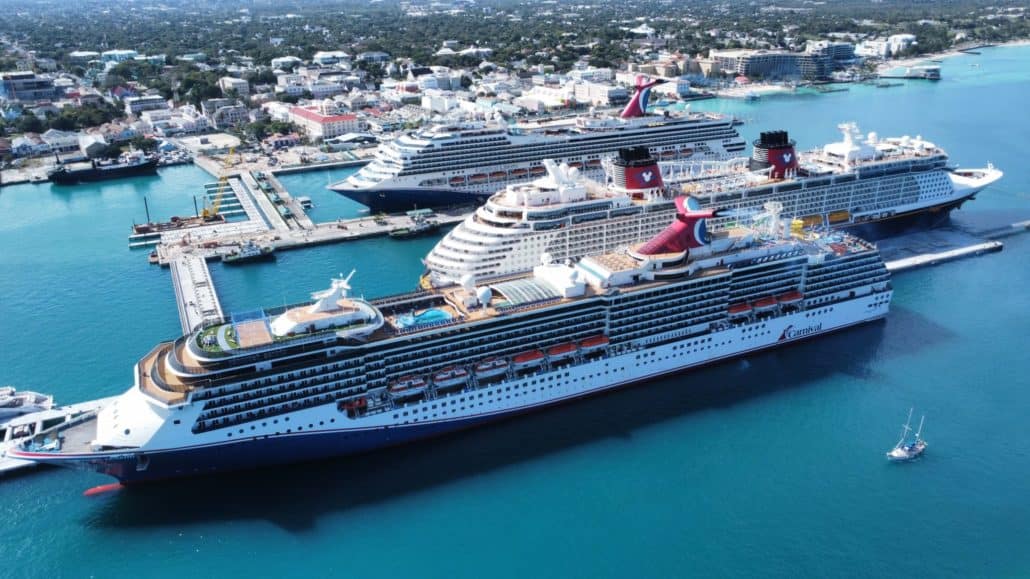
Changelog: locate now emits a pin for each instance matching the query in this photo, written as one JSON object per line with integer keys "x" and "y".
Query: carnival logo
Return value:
{"x": 790, "y": 333}
{"x": 787, "y": 157}
{"x": 647, "y": 176}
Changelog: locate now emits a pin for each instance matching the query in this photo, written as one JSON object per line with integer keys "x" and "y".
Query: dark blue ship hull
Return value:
{"x": 400, "y": 200}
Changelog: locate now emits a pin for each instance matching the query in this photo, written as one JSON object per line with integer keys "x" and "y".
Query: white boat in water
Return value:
{"x": 908, "y": 448}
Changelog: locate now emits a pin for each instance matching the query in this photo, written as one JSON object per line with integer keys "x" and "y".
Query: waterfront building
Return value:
{"x": 319, "y": 123}
{"x": 837, "y": 51}
{"x": 772, "y": 64}
{"x": 26, "y": 86}
{"x": 61, "y": 141}
{"x": 597, "y": 94}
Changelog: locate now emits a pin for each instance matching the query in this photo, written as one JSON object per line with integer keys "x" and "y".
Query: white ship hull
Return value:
{"x": 322, "y": 431}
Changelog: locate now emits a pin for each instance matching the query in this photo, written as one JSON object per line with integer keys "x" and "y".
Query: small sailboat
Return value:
{"x": 908, "y": 448}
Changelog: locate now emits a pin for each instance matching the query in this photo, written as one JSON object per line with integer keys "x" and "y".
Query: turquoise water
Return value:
{"x": 328, "y": 206}
{"x": 771, "y": 465}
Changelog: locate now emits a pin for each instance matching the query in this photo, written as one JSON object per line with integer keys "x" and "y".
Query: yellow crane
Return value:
{"x": 223, "y": 182}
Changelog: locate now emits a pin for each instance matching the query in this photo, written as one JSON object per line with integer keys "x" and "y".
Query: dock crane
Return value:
{"x": 223, "y": 182}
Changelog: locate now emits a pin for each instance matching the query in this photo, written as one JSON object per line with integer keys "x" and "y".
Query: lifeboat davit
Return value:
{"x": 450, "y": 378}
{"x": 491, "y": 368}
{"x": 765, "y": 304}
{"x": 530, "y": 359}
{"x": 561, "y": 351}
{"x": 790, "y": 298}
{"x": 407, "y": 387}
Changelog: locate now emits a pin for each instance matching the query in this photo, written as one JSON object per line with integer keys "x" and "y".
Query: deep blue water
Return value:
{"x": 770, "y": 465}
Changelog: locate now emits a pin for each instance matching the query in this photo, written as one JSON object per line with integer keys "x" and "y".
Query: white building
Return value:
{"x": 598, "y": 94}
{"x": 328, "y": 57}
{"x": 118, "y": 55}
{"x": 240, "y": 86}
{"x": 136, "y": 105}
{"x": 284, "y": 62}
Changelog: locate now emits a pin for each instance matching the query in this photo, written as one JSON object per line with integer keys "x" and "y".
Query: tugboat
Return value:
{"x": 908, "y": 448}
{"x": 249, "y": 251}
{"x": 421, "y": 225}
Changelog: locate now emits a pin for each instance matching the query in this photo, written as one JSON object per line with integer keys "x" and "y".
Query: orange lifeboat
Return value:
{"x": 576, "y": 164}
{"x": 594, "y": 163}
{"x": 668, "y": 154}
{"x": 538, "y": 170}
{"x": 498, "y": 175}
{"x": 478, "y": 178}
{"x": 791, "y": 297}
{"x": 457, "y": 180}
{"x": 561, "y": 351}
{"x": 741, "y": 309}
{"x": 594, "y": 344}
{"x": 354, "y": 406}
{"x": 765, "y": 304}
{"x": 530, "y": 359}
{"x": 520, "y": 172}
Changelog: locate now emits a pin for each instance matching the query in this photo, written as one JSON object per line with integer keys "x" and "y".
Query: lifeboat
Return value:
{"x": 521, "y": 172}
{"x": 790, "y": 298}
{"x": 450, "y": 378}
{"x": 765, "y": 304}
{"x": 594, "y": 163}
{"x": 498, "y": 175}
{"x": 491, "y": 368}
{"x": 576, "y": 165}
{"x": 478, "y": 178}
{"x": 593, "y": 344}
{"x": 685, "y": 153}
{"x": 527, "y": 360}
{"x": 538, "y": 170}
{"x": 407, "y": 387}
{"x": 668, "y": 154}
{"x": 457, "y": 180}
{"x": 738, "y": 310}
{"x": 354, "y": 406}
{"x": 561, "y": 351}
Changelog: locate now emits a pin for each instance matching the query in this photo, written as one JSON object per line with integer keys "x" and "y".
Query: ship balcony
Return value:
{"x": 155, "y": 381}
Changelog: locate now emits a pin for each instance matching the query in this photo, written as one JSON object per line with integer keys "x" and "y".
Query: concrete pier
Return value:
{"x": 195, "y": 294}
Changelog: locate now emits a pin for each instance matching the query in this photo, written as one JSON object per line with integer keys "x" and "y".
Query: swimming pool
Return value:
{"x": 430, "y": 316}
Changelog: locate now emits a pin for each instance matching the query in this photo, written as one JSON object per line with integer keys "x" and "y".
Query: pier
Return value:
{"x": 195, "y": 294}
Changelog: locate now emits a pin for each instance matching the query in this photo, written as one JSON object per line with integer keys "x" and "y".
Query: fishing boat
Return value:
{"x": 908, "y": 448}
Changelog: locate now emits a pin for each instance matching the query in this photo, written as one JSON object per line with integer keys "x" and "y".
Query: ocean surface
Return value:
{"x": 771, "y": 465}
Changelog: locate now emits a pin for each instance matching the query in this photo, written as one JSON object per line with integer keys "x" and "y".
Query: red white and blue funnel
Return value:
{"x": 684, "y": 234}
{"x": 637, "y": 106}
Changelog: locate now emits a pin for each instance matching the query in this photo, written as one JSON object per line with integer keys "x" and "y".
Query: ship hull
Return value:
{"x": 401, "y": 199}
{"x": 94, "y": 174}
{"x": 395, "y": 427}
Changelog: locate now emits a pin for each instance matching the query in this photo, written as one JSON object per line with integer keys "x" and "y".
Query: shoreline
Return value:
{"x": 952, "y": 52}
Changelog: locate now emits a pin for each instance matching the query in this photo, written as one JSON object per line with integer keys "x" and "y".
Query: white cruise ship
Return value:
{"x": 464, "y": 163}
{"x": 875, "y": 185}
{"x": 344, "y": 375}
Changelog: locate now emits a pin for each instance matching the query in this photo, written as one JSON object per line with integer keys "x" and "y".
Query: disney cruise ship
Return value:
{"x": 342, "y": 374}
{"x": 463, "y": 164}
{"x": 859, "y": 182}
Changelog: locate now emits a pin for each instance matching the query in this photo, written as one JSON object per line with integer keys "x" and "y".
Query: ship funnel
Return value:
{"x": 635, "y": 172}
{"x": 684, "y": 234}
{"x": 637, "y": 106}
{"x": 774, "y": 149}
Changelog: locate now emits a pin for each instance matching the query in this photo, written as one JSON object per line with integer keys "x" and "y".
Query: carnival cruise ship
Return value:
{"x": 862, "y": 182}
{"x": 464, "y": 163}
{"x": 342, "y": 374}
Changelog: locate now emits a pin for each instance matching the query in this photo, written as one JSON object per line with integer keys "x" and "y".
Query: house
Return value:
{"x": 92, "y": 145}
{"x": 238, "y": 85}
{"x": 278, "y": 141}
{"x": 134, "y": 105}
{"x": 61, "y": 141}
{"x": 224, "y": 113}
{"x": 29, "y": 145}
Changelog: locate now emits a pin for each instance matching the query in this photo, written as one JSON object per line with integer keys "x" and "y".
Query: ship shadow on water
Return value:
{"x": 293, "y": 497}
